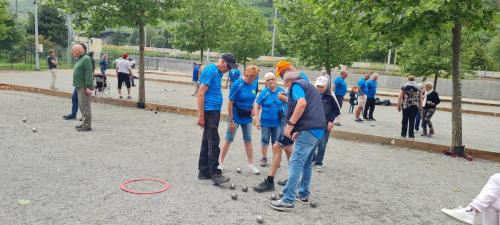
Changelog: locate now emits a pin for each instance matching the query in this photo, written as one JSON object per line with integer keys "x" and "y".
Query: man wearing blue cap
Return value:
{"x": 233, "y": 76}
{"x": 209, "y": 108}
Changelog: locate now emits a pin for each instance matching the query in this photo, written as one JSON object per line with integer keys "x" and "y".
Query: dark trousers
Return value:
{"x": 340, "y": 99}
{"x": 408, "y": 122}
{"x": 417, "y": 121}
{"x": 319, "y": 152}
{"x": 74, "y": 103}
{"x": 209, "y": 153}
{"x": 370, "y": 106}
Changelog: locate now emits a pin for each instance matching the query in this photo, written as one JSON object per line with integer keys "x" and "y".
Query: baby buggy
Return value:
{"x": 102, "y": 87}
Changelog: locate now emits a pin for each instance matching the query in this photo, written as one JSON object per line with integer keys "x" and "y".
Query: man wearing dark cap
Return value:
{"x": 209, "y": 108}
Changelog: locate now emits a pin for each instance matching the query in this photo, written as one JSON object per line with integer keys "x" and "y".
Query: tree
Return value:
{"x": 248, "y": 37}
{"x": 400, "y": 19}
{"x": 320, "y": 36}
{"x": 51, "y": 25}
{"x": 94, "y": 16}
{"x": 4, "y": 19}
{"x": 200, "y": 25}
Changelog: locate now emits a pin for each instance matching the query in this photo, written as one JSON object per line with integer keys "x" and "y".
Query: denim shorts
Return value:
{"x": 246, "y": 129}
{"x": 267, "y": 133}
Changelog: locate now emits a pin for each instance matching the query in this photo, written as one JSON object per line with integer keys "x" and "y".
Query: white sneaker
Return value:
{"x": 319, "y": 168}
{"x": 253, "y": 169}
{"x": 467, "y": 214}
{"x": 220, "y": 167}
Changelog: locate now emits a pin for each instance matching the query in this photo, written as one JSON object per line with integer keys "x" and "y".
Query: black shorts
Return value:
{"x": 123, "y": 77}
{"x": 282, "y": 139}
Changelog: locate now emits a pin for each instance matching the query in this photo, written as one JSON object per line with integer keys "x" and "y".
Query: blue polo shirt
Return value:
{"x": 298, "y": 93}
{"x": 234, "y": 75}
{"x": 195, "y": 72}
{"x": 340, "y": 86}
{"x": 243, "y": 95}
{"x": 271, "y": 105}
{"x": 211, "y": 77}
{"x": 372, "y": 88}
{"x": 362, "y": 85}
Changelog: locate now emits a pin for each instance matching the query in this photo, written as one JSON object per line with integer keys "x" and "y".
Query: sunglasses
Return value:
{"x": 319, "y": 86}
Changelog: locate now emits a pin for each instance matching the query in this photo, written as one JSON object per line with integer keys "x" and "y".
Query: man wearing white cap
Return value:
{"x": 332, "y": 110}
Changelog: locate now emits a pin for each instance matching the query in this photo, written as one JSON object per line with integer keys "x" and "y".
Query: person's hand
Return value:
{"x": 201, "y": 121}
{"x": 232, "y": 126}
{"x": 88, "y": 91}
{"x": 330, "y": 126}
{"x": 288, "y": 131}
{"x": 257, "y": 125}
{"x": 399, "y": 108}
{"x": 282, "y": 97}
{"x": 420, "y": 108}
{"x": 430, "y": 103}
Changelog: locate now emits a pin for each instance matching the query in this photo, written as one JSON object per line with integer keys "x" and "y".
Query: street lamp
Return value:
{"x": 37, "y": 59}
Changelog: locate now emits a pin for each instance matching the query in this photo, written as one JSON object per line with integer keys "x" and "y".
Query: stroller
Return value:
{"x": 102, "y": 87}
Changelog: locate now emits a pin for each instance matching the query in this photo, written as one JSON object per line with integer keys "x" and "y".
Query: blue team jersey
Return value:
{"x": 243, "y": 95}
{"x": 271, "y": 107}
{"x": 340, "y": 86}
{"x": 211, "y": 77}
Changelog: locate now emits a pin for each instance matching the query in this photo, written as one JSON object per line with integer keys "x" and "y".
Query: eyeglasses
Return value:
{"x": 319, "y": 86}
{"x": 273, "y": 79}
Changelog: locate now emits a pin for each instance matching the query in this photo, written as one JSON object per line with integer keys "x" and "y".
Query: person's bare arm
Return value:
{"x": 400, "y": 98}
{"x": 53, "y": 61}
{"x": 201, "y": 105}
{"x": 230, "y": 106}
{"x": 258, "y": 111}
{"x": 297, "y": 113}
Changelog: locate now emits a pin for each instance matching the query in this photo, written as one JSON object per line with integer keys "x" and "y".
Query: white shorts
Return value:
{"x": 362, "y": 101}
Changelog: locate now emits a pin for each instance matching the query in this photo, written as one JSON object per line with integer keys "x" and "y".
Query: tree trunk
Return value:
{"x": 142, "y": 97}
{"x": 456, "y": 111}
{"x": 436, "y": 76}
{"x": 201, "y": 56}
{"x": 328, "y": 69}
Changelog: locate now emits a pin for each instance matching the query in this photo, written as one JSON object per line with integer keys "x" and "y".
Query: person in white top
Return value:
{"x": 123, "y": 72}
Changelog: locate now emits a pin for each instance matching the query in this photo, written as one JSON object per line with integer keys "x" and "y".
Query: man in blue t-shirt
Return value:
{"x": 209, "y": 108}
{"x": 340, "y": 87}
{"x": 371, "y": 86}
{"x": 196, "y": 71}
{"x": 305, "y": 128}
{"x": 363, "y": 90}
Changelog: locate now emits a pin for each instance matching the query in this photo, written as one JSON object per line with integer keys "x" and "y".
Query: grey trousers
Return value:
{"x": 84, "y": 104}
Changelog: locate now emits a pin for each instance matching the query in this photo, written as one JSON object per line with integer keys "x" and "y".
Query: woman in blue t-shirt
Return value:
{"x": 240, "y": 111}
{"x": 269, "y": 112}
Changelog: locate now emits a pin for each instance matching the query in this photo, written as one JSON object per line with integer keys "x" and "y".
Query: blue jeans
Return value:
{"x": 417, "y": 121}
{"x": 74, "y": 103}
{"x": 319, "y": 152}
{"x": 245, "y": 128}
{"x": 300, "y": 167}
{"x": 267, "y": 133}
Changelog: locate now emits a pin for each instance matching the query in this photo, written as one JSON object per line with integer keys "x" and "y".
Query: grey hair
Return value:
{"x": 375, "y": 75}
{"x": 428, "y": 83}
{"x": 289, "y": 75}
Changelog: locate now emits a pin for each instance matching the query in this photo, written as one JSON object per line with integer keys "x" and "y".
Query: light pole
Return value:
{"x": 274, "y": 30}
{"x": 37, "y": 59}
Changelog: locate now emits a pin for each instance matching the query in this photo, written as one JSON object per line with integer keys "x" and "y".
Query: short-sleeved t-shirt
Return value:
{"x": 123, "y": 66}
{"x": 340, "y": 86}
{"x": 234, "y": 75}
{"x": 372, "y": 88}
{"x": 211, "y": 77}
{"x": 362, "y": 86}
{"x": 298, "y": 93}
{"x": 271, "y": 106}
{"x": 50, "y": 64}
{"x": 243, "y": 95}
{"x": 195, "y": 72}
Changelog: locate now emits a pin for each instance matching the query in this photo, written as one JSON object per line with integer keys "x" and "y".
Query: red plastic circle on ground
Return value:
{"x": 123, "y": 186}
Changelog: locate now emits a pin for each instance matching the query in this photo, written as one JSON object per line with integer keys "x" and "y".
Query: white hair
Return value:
{"x": 289, "y": 75}
{"x": 375, "y": 75}
{"x": 428, "y": 83}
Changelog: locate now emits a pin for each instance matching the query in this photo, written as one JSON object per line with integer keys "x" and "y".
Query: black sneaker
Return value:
{"x": 282, "y": 182}
{"x": 204, "y": 176}
{"x": 264, "y": 186}
{"x": 69, "y": 117}
{"x": 358, "y": 120}
{"x": 83, "y": 129}
{"x": 218, "y": 179}
{"x": 372, "y": 119}
{"x": 79, "y": 126}
{"x": 302, "y": 200}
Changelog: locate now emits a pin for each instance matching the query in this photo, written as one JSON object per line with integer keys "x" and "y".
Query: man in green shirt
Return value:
{"x": 82, "y": 81}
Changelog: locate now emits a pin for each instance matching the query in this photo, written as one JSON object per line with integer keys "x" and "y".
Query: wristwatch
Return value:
{"x": 290, "y": 123}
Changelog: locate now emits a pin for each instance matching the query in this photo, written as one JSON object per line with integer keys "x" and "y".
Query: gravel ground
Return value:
{"x": 74, "y": 178}
{"x": 388, "y": 119}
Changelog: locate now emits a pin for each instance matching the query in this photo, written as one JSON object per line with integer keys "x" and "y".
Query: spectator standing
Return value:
{"x": 52, "y": 65}
{"x": 431, "y": 100}
{"x": 371, "y": 86}
{"x": 103, "y": 64}
{"x": 233, "y": 76}
{"x": 123, "y": 72}
{"x": 410, "y": 102}
{"x": 363, "y": 90}
{"x": 340, "y": 90}
{"x": 83, "y": 75}
{"x": 196, "y": 72}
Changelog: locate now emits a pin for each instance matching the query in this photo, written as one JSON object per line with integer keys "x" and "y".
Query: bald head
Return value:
{"x": 77, "y": 50}
{"x": 343, "y": 74}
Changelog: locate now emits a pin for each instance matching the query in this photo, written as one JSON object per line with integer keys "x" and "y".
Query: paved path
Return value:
{"x": 478, "y": 131}
{"x": 74, "y": 178}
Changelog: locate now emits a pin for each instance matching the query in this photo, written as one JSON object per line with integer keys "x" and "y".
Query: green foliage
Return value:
{"x": 118, "y": 38}
{"x": 320, "y": 35}
{"x": 5, "y": 26}
{"x": 200, "y": 25}
{"x": 494, "y": 52}
{"x": 248, "y": 36}
{"x": 51, "y": 24}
